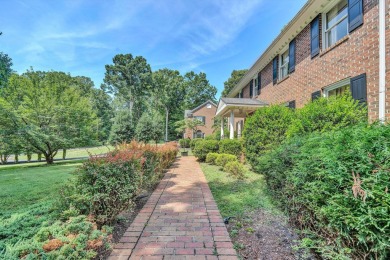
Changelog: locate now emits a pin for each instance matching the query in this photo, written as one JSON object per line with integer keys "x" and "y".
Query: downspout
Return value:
{"x": 382, "y": 61}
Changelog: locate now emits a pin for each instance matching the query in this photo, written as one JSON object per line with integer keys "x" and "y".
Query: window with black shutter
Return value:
{"x": 259, "y": 83}
{"x": 291, "y": 53}
{"x": 359, "y": 88}
{"x": 315, "y": 37}
{"x": 315, "y": 95}
{"x": 251, "y": 89}
{"x": 291, "y": 104}
{"x": 275, "y": 70}
{"x": 355, "y": 14}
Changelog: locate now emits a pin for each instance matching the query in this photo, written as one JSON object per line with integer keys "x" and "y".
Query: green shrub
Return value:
{"x": 211, "y": 157}
{"x": 264, "y": 130}
{"x": 231, "y": 146}
{"x": 236, "y": 169}
{"x": 193, "y": 143}
{"x": 335, "y": 185}
{"x": 185, "y": 143}
{"x": 326, "y": 114}
{"x": 202, "y": 148}
{"x": 223, "y": 159}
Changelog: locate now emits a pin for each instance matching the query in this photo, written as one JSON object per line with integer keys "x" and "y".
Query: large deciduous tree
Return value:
{"x": 198, "y": 89}
{"x": 47, "y": 112}
{"x": 5, "y": 68}
{"x": 131, "y": 78}
{"x": 235, "y": 77}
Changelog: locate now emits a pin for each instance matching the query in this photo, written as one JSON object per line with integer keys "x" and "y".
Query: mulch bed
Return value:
{"x": 265, "y": 236}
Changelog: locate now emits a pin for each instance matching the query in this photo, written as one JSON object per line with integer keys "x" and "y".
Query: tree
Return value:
{"x": 122, "y": 130}
{"x": 188, "y": 123}
{"x": 235, "y": 77}
{"x": 101, "y": 103}
{"x": 169, "y": 93}
{"x": 5, "y": 68}
{"x": 198, "y": 89}
{"x": 47, "y": 112}
{"x": 150, "y": 127}
{"x": 131, "y": 79}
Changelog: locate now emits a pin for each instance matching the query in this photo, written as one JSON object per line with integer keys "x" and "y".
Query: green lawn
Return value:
{"x": 22, "y": 186}
{"x": 234, "y": 197}
{"x": 72, "y": 153}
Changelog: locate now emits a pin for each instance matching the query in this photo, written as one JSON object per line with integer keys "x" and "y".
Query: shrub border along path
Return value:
{"x": 180, "y": 221}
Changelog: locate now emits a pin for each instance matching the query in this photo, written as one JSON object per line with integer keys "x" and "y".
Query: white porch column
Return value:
{"x": 222, "y": 134}
{"x": 231, "y": 124}
{"x": 239, "y": 129}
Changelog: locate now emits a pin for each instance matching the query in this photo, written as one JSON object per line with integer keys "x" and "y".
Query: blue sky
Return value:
{"x": 81, "y": 36}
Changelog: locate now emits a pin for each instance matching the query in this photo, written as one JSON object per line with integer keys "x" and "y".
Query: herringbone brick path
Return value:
{"x": 180, "y": 221}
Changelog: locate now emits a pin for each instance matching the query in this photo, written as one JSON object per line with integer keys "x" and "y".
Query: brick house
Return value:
{"x": 204, "y": 113}
{"x": 328, "y": 47}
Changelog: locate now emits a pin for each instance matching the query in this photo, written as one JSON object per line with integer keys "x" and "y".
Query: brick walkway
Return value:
{"x": 180, "y": 221}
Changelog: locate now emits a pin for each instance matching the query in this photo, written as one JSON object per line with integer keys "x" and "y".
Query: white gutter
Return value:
{"x": 382, "y": 60}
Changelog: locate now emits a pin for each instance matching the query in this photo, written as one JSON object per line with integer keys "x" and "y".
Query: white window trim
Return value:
{"x": 323, "y": 16}
{"x": 336, "y": 85}
{"x": 280, "y": 63}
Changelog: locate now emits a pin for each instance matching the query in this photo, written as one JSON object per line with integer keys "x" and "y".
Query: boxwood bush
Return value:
{"x": 203, "y": 147}
{"x": 193, "y": 143}
{"x": 235, "y": 169}
{"x": 335, "y": 186}
{"x": 223, "y": 159}
{"x": 211, "y": 157}
{"x": 185, "y": 143}
{"x": 231, "y": 146}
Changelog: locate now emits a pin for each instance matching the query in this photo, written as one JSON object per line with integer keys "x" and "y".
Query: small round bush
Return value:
{"x": 231, "y": 146}
{"x": 211, "y": 157}
{"x": 185, "y": 143}
{"x": 236, "y": 169}
{"x": 194, "y": 141}
{"x": 223, "y": 159}
{"x": 202, "y": 148}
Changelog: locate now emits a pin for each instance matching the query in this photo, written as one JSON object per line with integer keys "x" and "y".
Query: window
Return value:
{"x": 240, "y": 94}
{"x": 198, "y": 134}
{"x": 201, "y": 118}
{"x": 208, "y": 106}
{"x": 337, "y": 88}
{"x": 283, "y": 67}
{"x": 336, "y": 23}
{"x": 251, "y": 89}
{"x": 255, "y": 80}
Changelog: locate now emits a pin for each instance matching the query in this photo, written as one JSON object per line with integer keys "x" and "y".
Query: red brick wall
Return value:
{"x": 245, "y": 92}
{"x": 356, "y": 54}
{"x": 207, "y": 129}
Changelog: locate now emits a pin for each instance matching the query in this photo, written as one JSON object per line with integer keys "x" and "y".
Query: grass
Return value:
{"x": 71, "y": 153}
{"x": 238, "y": 197}
{"x": 23, "y": 186}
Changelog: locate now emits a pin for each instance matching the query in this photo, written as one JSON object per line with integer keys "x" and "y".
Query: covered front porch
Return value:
{"x": 236, "y": 110}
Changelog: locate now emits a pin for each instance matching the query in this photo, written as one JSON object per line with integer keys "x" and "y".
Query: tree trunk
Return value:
{"x": 63, "y": 154}
{"x": 49, "y": 158}
{"x": 39, "y": 157}
{"x": 166, "y": 124}
{"x": 29, "y": 157}
{"x": 16, "y": 158}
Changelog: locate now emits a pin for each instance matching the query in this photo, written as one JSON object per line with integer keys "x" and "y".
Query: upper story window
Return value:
{"x": 283, "y": 65}
{"x": 255, "y": 83}
{"x": 201, "y": 118}
{"x": 336, "y": 23}
{"x": 208, "y": 106}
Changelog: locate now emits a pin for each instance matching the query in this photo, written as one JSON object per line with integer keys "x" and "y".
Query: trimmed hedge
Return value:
{"x": 193, "y": 143}
{"x": 235, "y": 168}
{"x": 335, "y": 186}
{"x": 223, "y": 159}
{"x": 231, "y": 146}
{"x": 185, "y": 143}
{"x": 203, "y": 147}
{"x": 211, "y": 157}
{"x": 265, "y": 129}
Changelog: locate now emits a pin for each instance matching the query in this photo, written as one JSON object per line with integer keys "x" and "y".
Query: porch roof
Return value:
{"x": 240, "y": 106}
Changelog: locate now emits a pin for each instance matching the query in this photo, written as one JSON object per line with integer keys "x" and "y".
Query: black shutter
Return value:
{"x": 291, "y": 54}
{"x": 291, "y": 104}
{"x": 251, "y": 89}
{"x": 315, "y": 95}
{"x": 359, "y": 88}
{"x": 355, "y": 14}
{"x": 275, "y": 69}
{"x": 315, "y": 37}
{"x": 259, "y": 83}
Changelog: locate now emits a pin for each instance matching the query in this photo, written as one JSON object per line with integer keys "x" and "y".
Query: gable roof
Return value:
{"x": 204, "y": 104}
